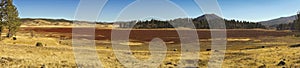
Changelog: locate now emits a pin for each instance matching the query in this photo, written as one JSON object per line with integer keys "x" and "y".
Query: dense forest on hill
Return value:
{"x": 230, "y": 24}
{"x": 200, "y": 23}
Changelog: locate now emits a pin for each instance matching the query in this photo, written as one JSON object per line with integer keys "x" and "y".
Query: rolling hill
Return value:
{"x": 281, "y": 20}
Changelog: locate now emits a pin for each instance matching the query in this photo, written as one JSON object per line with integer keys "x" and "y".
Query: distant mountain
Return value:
{"x": 208, "y": 16}
{"x": 55, "y": 22}
{"x": 282, "y": 20}
{"x": 201, "y": 22}
{"x": 49, "y": 20}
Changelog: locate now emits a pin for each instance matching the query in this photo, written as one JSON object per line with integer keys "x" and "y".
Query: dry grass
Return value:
{"x": 241, "y": 52}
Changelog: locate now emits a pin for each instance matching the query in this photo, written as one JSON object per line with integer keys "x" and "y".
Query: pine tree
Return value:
{"x": 2, "y": 22}
{"x": 297, "y": 23}
{"x": 11, "y": 17}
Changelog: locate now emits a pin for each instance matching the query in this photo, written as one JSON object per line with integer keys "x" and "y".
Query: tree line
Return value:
{"x": 9, "y": 18}
{"x": 152, "y": 24}
{"x": 202, "y": 24}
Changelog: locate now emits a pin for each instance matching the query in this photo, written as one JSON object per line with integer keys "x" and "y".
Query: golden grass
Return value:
{"x": 32, "y": 41}
{"x": 23, "y": 53}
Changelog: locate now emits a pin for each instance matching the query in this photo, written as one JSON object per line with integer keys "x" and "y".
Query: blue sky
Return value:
{"x": 248, "y": 10}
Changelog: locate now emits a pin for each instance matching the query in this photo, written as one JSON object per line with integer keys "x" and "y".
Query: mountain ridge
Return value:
{"x": 272, "y": 22}
{"x": 281, "y": 20}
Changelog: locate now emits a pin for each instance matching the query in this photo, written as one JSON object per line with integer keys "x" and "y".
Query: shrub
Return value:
{"x": 208, "y": 49}
{"x": 14, "y": 38}
{"x": 39, "y": 44}
{"x": 281, "y": 63}
{"x": 175, "y": 50}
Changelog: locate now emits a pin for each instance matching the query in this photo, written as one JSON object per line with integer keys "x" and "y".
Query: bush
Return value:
{"x": 208, "y": 49}
{"x": 39, "y": 44}
{"x": 14, "y": 38}
{"x": 281, "y": 63}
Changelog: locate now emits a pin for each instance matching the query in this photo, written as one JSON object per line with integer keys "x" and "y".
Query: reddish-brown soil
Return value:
{"x": 166, "y": 35}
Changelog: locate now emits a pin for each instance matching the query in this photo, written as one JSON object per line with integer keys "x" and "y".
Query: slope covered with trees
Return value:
{"x": 200, "y": 23}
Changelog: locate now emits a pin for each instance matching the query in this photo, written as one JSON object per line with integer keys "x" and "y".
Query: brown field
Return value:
{"x": 166, "y": 35}
{"x": 246, "y": 48}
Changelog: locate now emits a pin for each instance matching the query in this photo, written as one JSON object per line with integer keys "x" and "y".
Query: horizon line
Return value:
{"x": 144, "y": 20}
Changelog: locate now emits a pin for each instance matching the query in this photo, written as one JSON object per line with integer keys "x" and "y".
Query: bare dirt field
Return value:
{"x": 166, "y": 35}
{"x": 245, "y": 48}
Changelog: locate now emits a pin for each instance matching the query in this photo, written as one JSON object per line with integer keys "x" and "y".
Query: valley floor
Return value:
{"x": 245, "y": 52}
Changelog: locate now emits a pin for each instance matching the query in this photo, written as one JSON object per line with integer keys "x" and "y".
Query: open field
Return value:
{"x": 166, "y": 35}
{"x": 245, "y": 48}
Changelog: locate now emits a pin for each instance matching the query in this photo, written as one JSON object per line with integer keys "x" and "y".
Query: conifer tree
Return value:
{"x": 2, "y": 22}
{"x": 297, "y": 23}
{"x": 11, "y": 18}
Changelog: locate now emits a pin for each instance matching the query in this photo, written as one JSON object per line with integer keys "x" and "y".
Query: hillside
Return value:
{"x": 45, "y": 22}
{"x": 41, "y": 22}
{"x": 282, "y": 20}
{"x": 201, "y": 22}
